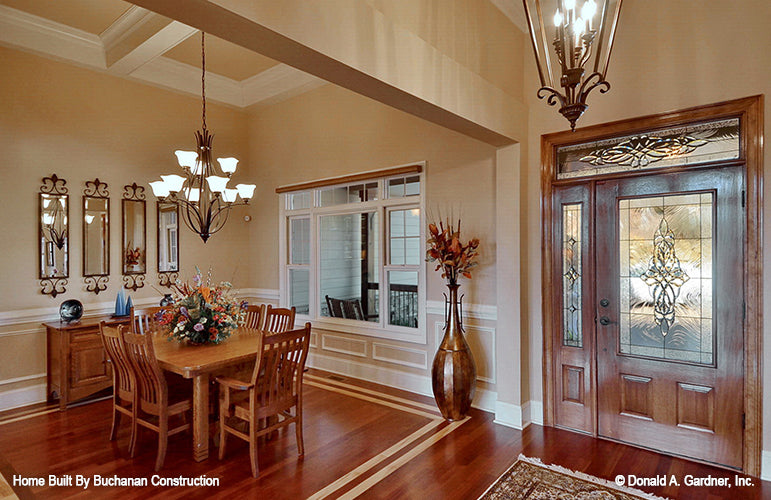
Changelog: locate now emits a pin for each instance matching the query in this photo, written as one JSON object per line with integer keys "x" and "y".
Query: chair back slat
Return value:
{"x": 277, "y": 376}
{"x": 151, "y": 383}
{"x": 255, "y": 316}
{"x": 144, "y": 321}
{"x": 344, "y": 308}
{"x": 279, "y": 319}
{"x": 123, "y": 376}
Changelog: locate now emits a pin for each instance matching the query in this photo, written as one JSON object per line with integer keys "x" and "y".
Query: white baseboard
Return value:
{"x": 25, "y": 396}
{"x": 536, "y": 412}
{"x": 510, "y": 415}
{"x": 765, "y": 465}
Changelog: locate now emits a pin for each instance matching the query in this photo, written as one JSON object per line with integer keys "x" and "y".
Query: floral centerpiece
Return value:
{"x": 453, "y": 373}
{"x": 453, "y": 257}
{"x": 202, "y": 313}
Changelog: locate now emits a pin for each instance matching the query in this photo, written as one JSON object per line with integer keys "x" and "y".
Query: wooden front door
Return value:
{"x": 669, "y": 312}
{"x": 652, "y": 259}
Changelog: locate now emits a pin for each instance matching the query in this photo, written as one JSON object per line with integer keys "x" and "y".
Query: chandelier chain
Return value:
{"x": 203, "y": 79}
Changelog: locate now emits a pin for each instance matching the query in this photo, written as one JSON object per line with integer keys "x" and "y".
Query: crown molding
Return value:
{"x": 129, "y": 22}
{"x": 32, "y": 33}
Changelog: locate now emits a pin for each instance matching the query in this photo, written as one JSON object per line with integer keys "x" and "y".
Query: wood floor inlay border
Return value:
{"x": 386, "y": 462}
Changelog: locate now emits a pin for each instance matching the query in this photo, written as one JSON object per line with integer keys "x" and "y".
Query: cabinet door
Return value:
{"x": 89, "y": 365}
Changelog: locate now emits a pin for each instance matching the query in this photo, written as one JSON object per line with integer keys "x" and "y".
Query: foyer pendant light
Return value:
{"x": 579, "y": 53}
{"x": 202, "y": 193}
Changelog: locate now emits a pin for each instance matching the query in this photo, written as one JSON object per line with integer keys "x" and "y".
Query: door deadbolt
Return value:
{"x": 604, "y": 302}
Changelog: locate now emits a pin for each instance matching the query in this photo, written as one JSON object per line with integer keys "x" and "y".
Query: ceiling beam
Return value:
{"x": 354, "y": 45}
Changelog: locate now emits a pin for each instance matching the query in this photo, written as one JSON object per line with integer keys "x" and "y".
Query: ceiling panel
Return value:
{"x": 223, "y": 58}
{"x": 93, "y": 16}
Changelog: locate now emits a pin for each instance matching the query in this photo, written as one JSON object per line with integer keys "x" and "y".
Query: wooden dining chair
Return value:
{"x": 145, "y": 320}
{"x": 255, "y": 316}
{"x": 274, "y": 390}
{"x": 123, "y": 381}
{"x": 155, "y": 401}
{"x": 278, "y": 319}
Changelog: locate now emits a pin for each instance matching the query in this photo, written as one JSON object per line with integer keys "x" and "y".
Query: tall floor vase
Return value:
{"x": 454, "y": 373}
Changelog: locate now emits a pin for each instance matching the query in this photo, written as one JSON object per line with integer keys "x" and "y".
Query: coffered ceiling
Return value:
{"x": 128, "y": 41}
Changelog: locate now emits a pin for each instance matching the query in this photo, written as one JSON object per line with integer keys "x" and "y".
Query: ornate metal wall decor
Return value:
{"x": 664, "y": 277}
{"x": 644, "y": 149}
{"x": 167, "y": 278}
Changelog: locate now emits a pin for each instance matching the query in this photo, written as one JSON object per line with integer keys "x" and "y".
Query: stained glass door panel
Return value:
{"x": 669, "y": 281}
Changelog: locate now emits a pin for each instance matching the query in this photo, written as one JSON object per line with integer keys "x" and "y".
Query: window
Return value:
{"x": 353, "y": 255}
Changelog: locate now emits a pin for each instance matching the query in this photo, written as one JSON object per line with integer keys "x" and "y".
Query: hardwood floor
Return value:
{"x": 360, "y": 439}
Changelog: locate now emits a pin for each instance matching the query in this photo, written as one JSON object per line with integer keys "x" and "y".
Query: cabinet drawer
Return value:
{"x": 85, "y": 336}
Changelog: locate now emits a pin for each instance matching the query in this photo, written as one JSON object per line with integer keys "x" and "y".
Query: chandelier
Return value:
{"x": 203, "y": 197}
{"x": 581, "y": 45}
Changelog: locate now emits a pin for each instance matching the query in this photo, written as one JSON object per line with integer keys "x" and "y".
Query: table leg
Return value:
{"x": 201, "y": 417}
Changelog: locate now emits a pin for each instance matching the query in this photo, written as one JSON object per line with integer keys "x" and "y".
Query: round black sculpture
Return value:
{"x": 71, "y": 310}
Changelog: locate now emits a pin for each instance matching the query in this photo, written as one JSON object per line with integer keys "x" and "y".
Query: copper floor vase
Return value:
{"x": 453, "y": 374}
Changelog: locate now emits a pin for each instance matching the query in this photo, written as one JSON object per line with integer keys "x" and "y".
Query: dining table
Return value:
{"x": 201, "y": 363}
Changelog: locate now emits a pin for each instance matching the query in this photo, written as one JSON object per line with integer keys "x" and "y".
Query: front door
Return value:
{"x": 668, "y": 312}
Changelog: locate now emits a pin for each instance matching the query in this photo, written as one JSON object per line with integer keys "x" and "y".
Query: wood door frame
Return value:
{"x": 750, "y": 110}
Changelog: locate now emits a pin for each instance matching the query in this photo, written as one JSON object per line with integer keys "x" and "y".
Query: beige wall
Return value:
{"x": 669, "y": 55}
{"x": 79, "y": 124}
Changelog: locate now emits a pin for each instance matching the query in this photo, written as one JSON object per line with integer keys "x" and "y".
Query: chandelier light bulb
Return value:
{"x": 186, "y": 158}
{"x": 193, "y": 195}
{"x": 570, "y": 4}
{"x": 588, "y": 10}
{"x": 160, "y": 189}
{"x": 229, "y": 195}
{"x": 557, "y": 18}
{"x": 578, "y": 27}
{"x": 228, "y": 165}
{"x": 246, "y": 190}
{"x": 174, "y": 182}
{"x": 216, "y": 183}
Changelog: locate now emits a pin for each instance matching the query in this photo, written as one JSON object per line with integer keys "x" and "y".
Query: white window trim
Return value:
{"x": 381, "y": 329}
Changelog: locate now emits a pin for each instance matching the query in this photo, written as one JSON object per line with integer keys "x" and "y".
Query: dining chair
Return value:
{"x": 157, "y": 398}
{"x": 145, "y": 320}
{"x": 278, "y": 319}
{"x": 255, "y": 316}
{"x": 344, "y": 308}
{"x": 274, "y": 390}
{"x": 123, "y": 380}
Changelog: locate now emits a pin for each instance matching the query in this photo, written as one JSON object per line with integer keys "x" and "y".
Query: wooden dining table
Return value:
{"x": 200, "y": 363}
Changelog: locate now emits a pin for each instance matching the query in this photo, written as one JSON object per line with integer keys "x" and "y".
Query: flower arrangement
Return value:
{"x": 453, "y": 257}
{"x": 202, "y": 313}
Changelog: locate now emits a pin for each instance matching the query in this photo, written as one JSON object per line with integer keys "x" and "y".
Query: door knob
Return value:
{"x": 604, "y": 302}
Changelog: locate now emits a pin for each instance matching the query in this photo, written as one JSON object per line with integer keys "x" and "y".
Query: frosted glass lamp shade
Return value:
{"x": 186, "y": 158}
{"x": 228, "y": 165}
{"x": 160, "y": 189}
{"x": 192, "y": 195}
{"x": 217, "y": 183}
{"x": 246, "y": 190}
{"x": 90, "y": 218}
{"x": 173, "y": 182}
{"x": 48, "y": 219}
{"x": 229, "y": 195}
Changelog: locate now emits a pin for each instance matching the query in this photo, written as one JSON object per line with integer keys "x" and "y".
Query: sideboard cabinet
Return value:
{"x": 77, "y": 364}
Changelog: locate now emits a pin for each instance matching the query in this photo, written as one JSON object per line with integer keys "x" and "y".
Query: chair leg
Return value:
{"x": 163, "y": 439}
{"x": 298, "y": 424}
{"x": 115, "y": 423}
{"x": 133, "y": 442}
{"x": 253, "y": 449}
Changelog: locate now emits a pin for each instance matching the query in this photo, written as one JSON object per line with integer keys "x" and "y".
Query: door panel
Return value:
{"x": 670, "y": 335}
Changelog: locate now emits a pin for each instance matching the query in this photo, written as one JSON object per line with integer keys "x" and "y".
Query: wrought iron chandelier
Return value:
{"x": 203, "y": 198}
{"x": 580, "y": 45}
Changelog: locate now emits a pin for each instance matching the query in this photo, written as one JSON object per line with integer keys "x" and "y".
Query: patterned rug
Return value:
{"x": 530, "y": 479}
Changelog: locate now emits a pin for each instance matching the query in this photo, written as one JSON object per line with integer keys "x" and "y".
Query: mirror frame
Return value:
{"x": 53, "y": 285}
{"x": 133, "y": 280}
{"x": 166, "y": 278}
{"x": 96, "y": 283}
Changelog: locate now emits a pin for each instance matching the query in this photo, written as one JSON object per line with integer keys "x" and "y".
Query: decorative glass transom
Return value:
{"x": 665, "y": 252}
{"x": 684, "y": 145}
{"x": 571, "y": 276}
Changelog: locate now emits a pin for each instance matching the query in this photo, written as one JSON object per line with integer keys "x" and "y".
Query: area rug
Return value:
{"x": 530, "y": 479}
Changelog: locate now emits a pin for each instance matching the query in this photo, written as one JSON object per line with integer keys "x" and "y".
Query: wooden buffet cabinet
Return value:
{"x": 77, "y": 363}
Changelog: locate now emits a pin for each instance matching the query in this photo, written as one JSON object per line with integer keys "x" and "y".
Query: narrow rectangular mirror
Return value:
{"x": 54, "y": 235}
{"x": 168, "y": 242}
{"x": 134, "y": 244}
{"x": 96, "y": 236}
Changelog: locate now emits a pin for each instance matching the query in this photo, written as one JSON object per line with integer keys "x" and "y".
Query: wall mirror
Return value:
{"x": 168, "y": 243}
{"x": 54, "y": 236}
{"x": 96, "y": 236}
{"x": 134, "y": 240}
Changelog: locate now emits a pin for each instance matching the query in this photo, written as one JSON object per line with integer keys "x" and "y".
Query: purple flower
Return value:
{"x": 183, "y": 312}
{"x": 198, "y": 327}
{"x": 244, "y": 304}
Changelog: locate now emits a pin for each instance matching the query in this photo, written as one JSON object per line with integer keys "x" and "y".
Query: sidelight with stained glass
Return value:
{"x": 572, "y": 334}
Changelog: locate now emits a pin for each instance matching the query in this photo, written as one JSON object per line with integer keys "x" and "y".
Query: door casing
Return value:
{"x": 750, "y": 112}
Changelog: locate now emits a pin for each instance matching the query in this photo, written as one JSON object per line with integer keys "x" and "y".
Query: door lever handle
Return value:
{"x": 605, "y": 321}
